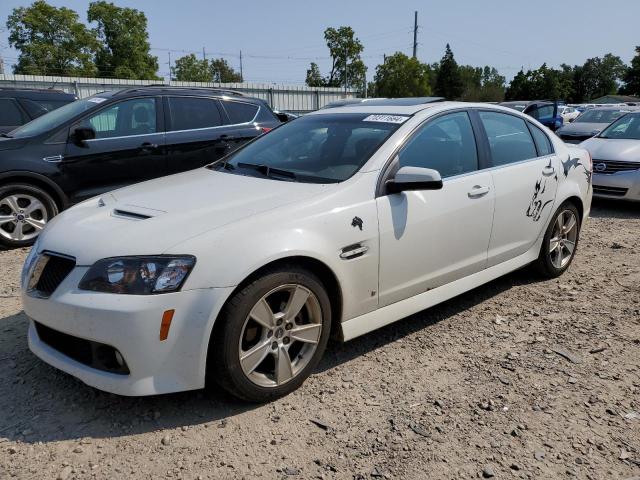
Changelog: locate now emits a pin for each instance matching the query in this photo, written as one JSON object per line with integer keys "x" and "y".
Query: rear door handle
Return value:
{"x": 478, "y": 191}
{"x": 548, "y": 171}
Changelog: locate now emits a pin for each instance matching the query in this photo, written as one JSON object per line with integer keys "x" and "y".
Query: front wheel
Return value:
{"x": 24, "y": 212}
{"x": 270, "y": 335}
{"x": 560, "y": 242}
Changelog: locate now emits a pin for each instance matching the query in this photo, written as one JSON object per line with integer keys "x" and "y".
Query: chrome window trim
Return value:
{"x": 125, "y": 136}
{"x": 218, "y": 99}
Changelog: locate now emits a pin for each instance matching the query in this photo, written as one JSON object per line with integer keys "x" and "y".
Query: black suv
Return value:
{"x": 114, "y": 139}
{"x": 19, "y": 106}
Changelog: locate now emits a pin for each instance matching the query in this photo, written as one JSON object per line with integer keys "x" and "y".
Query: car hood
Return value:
{"x": 613, "y": 149}
{"x": 582, "y": 128}
{"x": 151, "y": 217}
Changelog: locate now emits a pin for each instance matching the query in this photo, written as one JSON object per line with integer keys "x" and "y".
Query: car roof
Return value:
{"x": 191, "y": 91}
{"x": 35, "y": 93}
{"x": 408, "y": 109}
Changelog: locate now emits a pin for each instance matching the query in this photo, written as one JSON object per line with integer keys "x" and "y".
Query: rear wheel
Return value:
{"x": 560, "y": 242}
{"x": 24, "y": 212}
{"x": 271, "y": 335}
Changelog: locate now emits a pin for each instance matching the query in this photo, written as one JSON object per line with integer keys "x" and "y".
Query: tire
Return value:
{"x": 24, "y": 207}
{"x": 549, "y": 263}
{"x": 238, "y": 333}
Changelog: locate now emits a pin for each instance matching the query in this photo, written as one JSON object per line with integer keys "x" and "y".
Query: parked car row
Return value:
{"x": 114, "y": 139}
{"x": 341, "y": 221}
{"x": 20, "y": 106}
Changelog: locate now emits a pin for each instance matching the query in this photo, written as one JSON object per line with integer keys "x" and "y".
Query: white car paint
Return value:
{"x": 422, "y": 247}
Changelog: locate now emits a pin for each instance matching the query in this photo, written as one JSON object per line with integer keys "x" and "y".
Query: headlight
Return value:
{"x": 138, "y": 275}
{"x": 28, "y": 263}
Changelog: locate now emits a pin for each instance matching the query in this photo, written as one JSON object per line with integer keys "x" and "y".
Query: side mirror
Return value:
{"x": 80, "y": 134}
{"x": 414, "y": 178}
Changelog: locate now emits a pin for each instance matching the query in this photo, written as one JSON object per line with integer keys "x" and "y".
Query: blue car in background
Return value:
{"x": 546, "y": 112}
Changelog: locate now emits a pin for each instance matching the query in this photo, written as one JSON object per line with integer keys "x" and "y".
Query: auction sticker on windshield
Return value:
{"x": 385, "y": 118}
{"x": 96, "y": 99}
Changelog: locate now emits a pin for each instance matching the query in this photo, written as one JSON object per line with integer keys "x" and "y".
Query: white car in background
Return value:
{"x": 616, "y": 159}
{"x": 343, "y": 221}
{"x": 568, "y": 114}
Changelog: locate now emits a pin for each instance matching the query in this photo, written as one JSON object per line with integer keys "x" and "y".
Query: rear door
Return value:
{"x": 196, "y": 134}
{"x": 245, "y": 121}
{"x": 11, "y": 115}
{"x": 525, "y": 177}
{"x": 128, "y": 148}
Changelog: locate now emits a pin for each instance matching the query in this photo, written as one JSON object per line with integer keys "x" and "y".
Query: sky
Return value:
{"x": 280, "y": 38}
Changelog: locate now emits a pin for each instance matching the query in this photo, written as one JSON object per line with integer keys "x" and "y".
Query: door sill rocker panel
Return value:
{"x": 396, "y": 311}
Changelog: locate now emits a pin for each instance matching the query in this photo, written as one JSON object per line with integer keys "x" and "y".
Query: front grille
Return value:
{"x": 611, "y": 191}
{"x": 575, "y": 138}
{"x": 610, "y": 166}
{"x": 93, "y": 354}
{"x": 53, "y": 273}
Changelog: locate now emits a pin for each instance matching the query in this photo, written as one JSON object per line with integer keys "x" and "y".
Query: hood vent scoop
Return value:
{"x": 130, "y": 215}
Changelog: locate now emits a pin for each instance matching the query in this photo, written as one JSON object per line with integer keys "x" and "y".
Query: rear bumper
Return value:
{"x": 620, "y": 185}
{"x": 129, "y": 324}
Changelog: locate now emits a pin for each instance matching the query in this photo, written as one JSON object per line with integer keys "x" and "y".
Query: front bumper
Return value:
{"x": 131, "y": 325}
{"x": 620, "y": 185}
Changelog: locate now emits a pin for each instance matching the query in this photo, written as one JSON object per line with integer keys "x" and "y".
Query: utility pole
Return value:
{"x": 1, "y": 65}
{"x": 241, "y": 75}
{"x": 204, "y": 54}
{"x": 169, "y": 67}
{"x": 415, "y": 35}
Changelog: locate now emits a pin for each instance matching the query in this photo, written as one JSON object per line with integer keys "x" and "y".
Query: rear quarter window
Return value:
{"x": 240, "y": 112}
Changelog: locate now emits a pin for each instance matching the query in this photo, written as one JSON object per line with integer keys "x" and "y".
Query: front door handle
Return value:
{"x": 478, "y": 191}
{"x": 148, "y": 146}
{"x": 548, "y": 171}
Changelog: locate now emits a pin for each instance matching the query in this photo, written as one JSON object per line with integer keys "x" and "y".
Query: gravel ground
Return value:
{"x": 520, "y": 378}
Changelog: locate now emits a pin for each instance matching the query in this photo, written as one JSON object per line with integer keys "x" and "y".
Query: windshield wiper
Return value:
{"x": 268, "y": 171}
{"x": 5, "y": 135}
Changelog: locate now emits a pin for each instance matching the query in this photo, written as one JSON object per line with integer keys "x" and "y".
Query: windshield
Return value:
{"x": 599, "y": 116}
{"x": 627, "y": 127}
{"x": 56, "y": 117}
{"x": 316, "y": 148}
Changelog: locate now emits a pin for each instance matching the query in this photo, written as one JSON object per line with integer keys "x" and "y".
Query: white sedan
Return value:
{"x": 341, "y": 221}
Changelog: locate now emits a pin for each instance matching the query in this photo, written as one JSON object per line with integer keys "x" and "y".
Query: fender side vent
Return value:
{"x": 130, "y": 215}
{"x": 353, "y": 251}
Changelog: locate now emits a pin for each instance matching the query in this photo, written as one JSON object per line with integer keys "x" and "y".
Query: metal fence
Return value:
{"x": 292, "y": 98}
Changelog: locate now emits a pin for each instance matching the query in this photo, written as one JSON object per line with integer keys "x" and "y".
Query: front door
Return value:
{"x": 525, "y": 175}
{"x": 128, "y": 148}
{"x": 430, "y": 238}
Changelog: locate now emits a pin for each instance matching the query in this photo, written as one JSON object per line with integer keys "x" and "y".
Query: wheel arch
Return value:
{"x": 37, "y": 180}
{"x": 577, "y": 201}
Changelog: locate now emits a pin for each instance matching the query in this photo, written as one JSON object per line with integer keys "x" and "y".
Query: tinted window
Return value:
{"x": 542, "y": 141}
{"x": 509, "y": 138}
{"x": 10, "y": 114}
{"x": 545, "y": 111}
{"x": 188, "y": 113}
{"x": 316, "y": 148}
{"x": 33, "y": 108}
{"x": 50, "y": 105}
{"x": 130, "y": 117}
{"x": 240, "y": 112}
{"x": 446, "y": 144}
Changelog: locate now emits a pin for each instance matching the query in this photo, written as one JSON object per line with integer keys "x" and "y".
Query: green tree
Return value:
{"x": 601, "y": 76}
{"x": 345, "y": 50}
{"x": 314, "y": 77}
{"x": 471, "y": 78}
{"x": 51, "y": 41}
{"x": 449, "y": 82}
{"x": 191, "y": 69}
{"x": 401, "y": 76}
{"x": 632, "y": 76}
{"x": 222, "y": 72}
{"x": 125, "y": 42}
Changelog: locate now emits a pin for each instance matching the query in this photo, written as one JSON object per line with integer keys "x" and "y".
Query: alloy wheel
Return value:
{"x": 22, "y": 217}
{"x": 280, "y": 335}
{"x": 563, "y": 239}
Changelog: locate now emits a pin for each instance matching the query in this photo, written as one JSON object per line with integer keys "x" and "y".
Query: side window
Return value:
{"x": 446, "y": 144}
{"x": 240, "y": 112}
{"x": 34, "y": 109}
{"x": 188, "y": 113}
{"x": 542, "y": 141}
{"x": 10, "y": 114}
{"x": 509, "y": 138}
{"x": 130, "y": 117}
